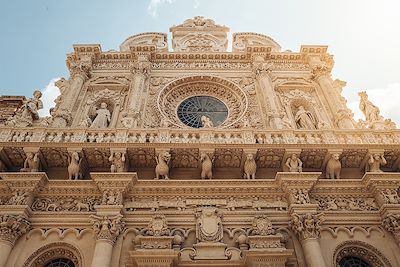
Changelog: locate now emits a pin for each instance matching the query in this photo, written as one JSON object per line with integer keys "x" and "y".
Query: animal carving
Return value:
{"x": 206, "y": 166}
{"x": 162, "y": 169}
{"x": 333, "y": 167}
{"x": 250, "y": 167}
{"x": 74, "y": 167}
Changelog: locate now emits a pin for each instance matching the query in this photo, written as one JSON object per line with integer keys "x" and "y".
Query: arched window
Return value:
{"x": 352, "y": 261}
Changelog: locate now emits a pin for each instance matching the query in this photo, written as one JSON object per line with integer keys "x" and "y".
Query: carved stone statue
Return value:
{"x": 74, "y": 167}
{"x": 103, "y": 117}
{"x": 162, "y": 168}
{"x": 31, "y": 107}
{"x": 32, "y": 163}
{"x": 206, "y": 166}
{"x": 371, "y": 112}
{"x": 305, "y": 119}
{"x": 375, "y": 162}
{"x": 118, "y": 162}
{"x": 250, "y": 167}
{"x": 294, "y": 164}
{"x": 333, "y": 167}
{"x": 206, "y": 122}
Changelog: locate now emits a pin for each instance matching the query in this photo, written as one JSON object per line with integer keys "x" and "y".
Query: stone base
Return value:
{"x": 156, "y": 242}
{"x": 270, "y": 242}
{"x": 267, "y": 257}
{"x": 210, "y": 251}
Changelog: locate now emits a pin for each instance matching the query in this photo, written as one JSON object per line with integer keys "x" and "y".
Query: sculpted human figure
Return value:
{"x": 370, "y": 111}
{"x": 206, "y": 121}
{"x": 103, "y": 117}
{"x": 31, "y": 107}
{"x": 375, "y": 162}
{"x": 294, "y": 163}
{"x": 206, "y": 166}
{"x": 118, "y": 162}
{"x": 304, "y": 119}
{"x": 250, "y": 167}
{"x": 31, "y": 163}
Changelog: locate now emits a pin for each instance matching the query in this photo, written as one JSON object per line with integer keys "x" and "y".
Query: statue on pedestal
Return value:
{"x": 304, "y": 119}
{"x": 102, "y": 118}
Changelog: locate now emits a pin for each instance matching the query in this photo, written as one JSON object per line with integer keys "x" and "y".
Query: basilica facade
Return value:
{"x": 199, "y": 155}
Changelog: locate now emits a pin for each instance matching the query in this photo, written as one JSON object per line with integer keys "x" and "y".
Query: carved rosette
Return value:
{"x": 107, "y": 228}
{"x": 391, "y": 222}
{"x": 261, "y": 226}
{"x": 306, "y": 226}
{"x": 12, "y": 227}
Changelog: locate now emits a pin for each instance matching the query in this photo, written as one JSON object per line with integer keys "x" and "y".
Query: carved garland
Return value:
{"x": 361, "y": 250}
{"x": 52, "y": 251}
{"x": 177, "y": 91}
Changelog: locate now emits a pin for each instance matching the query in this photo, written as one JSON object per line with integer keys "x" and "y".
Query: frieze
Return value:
{"x": 201, "y": 65}
{"x": 346, "y": 204}
{"x": 68, "y": 204}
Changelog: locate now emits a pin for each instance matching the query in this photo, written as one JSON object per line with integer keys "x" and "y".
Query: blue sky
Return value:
{"x": 363, "y": 36}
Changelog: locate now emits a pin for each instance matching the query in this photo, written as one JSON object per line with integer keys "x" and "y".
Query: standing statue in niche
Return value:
{"x": 206, "y": 121}
{"x": 304, "y": 119}
{"x": 371, "y": 112}
{"x": 103, "y": 117}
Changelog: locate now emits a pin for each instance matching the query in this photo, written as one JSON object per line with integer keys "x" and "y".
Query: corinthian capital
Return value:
{"x": 107, "y": 227}
{"x": 80, "y": 66}
{"x": 307, "y": 225}
{"x": 12, "y": 227}
{"x": 391, "y": 223}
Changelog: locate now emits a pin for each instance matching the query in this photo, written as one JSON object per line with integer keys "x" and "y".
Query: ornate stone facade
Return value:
{"x": 196, "y": 156}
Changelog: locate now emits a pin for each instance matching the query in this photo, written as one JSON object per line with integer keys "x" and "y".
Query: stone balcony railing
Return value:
{"x": 208, "y": 136}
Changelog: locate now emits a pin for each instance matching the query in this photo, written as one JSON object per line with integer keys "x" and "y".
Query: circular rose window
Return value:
{"x": 192, "y": 109}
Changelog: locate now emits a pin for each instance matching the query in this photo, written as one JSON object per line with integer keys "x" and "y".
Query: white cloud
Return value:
{"x": 152, "y": 9}
{"x": 387, "y": 99}
{"x": 49, "y": 94}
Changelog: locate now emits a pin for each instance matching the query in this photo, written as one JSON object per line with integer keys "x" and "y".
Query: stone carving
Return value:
{"x": 12, "y": 227}
{"x": 294, "y": 164}
{"x": 118, "y": 162}
{"x": 107, "y": 227}
{"x": 111, "y": 197}
{"x": 333, "y": 167}
{"x": 375, "y": 162}
{"x": 74, "y": 167}
{"x": 19, "y": 198}
{"x": 351, "y": 204}
{"x": 103, "y": 117}
{"x": 250, "y": 167}
{"x": 65, "y": 204}
{"x": 157, "y": 226}
{"x": 390, "y": 196}
{"x": 261, "y": 226}
{"x": 391, "y": 222}
{"x": 301, "y": 196}
{"x": 371, "y": 112}
{"x": 29, "y": 112}
{"x": 307, "y": 225}
{"x": 209, "y": 225}
{"x": 305, "y": 119}
{"x": 162, "y": 168}
{"x": 32, "y": 163}
{"x": 206, "y": 122}
{"x": 206, "y": 166}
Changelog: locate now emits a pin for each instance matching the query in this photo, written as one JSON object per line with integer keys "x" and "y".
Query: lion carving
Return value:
{"x": 250, "y": 167}
{"x": 333, "y": 167}
{"x": 206, "y": 166}
{"x": 162, "y": 169}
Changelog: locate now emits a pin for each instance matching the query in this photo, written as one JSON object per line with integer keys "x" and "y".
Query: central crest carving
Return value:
{"x": 209, "y": 225}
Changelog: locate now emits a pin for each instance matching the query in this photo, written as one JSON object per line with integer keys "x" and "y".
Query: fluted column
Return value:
{"x": 265, "y": 90}
{"x": 107, "y": 230}
{"x": 307, "y": 228}
{"x": 321, "y": 74}
{"x": 140, "y": 72}
{"x": 80, "y": 71}
{"x": 11, "y": 228}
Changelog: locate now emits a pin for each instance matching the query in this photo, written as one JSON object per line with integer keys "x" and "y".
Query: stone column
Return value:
{"x": 265, "y": 90}
{"x": 140, "y": 71}
{"x": 307, "y": 228}
{"x": 79, "y": 73}
{"x": 321, "y": 74}
{"x": 107, "y": 230}
{"x": 11, "y": 228}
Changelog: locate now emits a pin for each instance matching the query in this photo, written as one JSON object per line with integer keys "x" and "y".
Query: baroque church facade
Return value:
{"x": 193, "y": 155}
